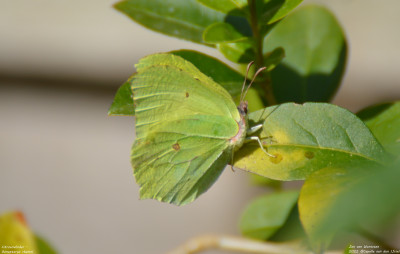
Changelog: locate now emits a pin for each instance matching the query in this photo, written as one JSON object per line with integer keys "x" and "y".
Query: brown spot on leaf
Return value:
{"x": 278, "y": 158}
{"x": 187, "y": 94}
{"x": 309, "y": 154}
{"x": 176, "y": 147}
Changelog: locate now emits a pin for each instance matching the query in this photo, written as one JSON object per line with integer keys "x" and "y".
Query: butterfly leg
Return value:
{"x": 254, "y": 129}
{"x": 261, "y": 146}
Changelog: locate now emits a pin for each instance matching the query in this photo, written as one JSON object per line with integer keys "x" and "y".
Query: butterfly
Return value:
{"x": 187, "y": 129}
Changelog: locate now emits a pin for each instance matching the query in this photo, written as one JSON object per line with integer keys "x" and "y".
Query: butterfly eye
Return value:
{"x": 242, "y": 108}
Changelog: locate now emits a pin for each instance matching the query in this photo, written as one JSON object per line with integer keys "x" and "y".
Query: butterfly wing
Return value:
{"x": 180, "y": 159}
{"x": 167, "y": 87}
{"x": 184, "y": 123}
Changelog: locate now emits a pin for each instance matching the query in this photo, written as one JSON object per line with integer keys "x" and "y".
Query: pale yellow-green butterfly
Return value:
{"x": 187, "y": 128}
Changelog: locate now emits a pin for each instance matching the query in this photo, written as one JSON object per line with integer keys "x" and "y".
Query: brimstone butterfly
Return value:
{"x": 187, "y": 128}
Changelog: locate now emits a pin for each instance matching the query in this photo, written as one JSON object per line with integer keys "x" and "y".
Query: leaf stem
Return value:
{"x": 239, "y": 244}
{"x": 259, "y": 61}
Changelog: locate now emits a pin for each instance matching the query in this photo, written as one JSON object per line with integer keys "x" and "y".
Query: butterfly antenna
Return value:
{"x": 245, "y": 80}
{"x": 255, "y": 76}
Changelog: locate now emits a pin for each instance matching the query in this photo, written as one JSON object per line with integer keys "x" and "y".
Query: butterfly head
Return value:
{"x": 242, "y": 108}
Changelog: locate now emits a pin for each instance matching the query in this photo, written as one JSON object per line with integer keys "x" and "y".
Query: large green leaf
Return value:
{"x": 123, "y": 101}
{"x": 266, "y": 214}
{"x": 384, "y": 122}
{"x": 315, "y": 48}
{"x": 305, "y": 138}
{"x": 335, "y": 199}
{"x": 183, "y": 19}
{"x": 230, "y": 79}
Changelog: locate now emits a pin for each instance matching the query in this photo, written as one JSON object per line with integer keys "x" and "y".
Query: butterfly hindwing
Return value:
{"x": 176, "y": 167}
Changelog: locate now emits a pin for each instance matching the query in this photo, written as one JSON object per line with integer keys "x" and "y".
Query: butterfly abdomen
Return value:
{"x": 238, "y": 140}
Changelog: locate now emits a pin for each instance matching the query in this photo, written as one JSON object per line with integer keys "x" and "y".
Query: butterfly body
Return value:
{"x": 243, "y": 123}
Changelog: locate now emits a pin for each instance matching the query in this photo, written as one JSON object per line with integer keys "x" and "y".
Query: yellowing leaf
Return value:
{"x": 15, "y": 234}
{"x": 306, "y": 138}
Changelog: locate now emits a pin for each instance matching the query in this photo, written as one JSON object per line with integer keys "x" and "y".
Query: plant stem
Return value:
{"x": 259, "y": 61}
{"x": 256, "y": 33}
{"x": 239, "y": 244}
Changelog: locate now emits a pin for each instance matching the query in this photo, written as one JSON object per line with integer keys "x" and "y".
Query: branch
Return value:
{"x": 239, "y": 244}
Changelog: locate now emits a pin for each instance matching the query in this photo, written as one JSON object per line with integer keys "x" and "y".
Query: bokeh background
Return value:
{"x": 65, "y": 163}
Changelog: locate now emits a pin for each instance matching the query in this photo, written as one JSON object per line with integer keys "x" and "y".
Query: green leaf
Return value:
{"x": 315, "y": 49}
{"x": 291, "y": 230}
{"x": 335, "y": 199}
{"x": 273, "y": 58}
{"x": 123, "y": 101}
{"x": 226, "y": 6}
{"x": 384, "y": 122}
{"x": 268, "y": 11}
{"x": 266, "y": 214}
{"x": 230, "y": 79}
{"x": 238, "y": 52}
{"x": 306, "y": 138}
{"x": 183, "y": 19}
{"x": 43, "y": 246}
{"x": 222, "y": 32}
{"x": 274, "y": 10}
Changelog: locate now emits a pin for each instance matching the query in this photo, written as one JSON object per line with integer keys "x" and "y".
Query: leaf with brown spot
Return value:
{"x": 306, "y": 138}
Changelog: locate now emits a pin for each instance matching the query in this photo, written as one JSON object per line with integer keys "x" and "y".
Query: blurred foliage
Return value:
{"x": 15, "y": 235}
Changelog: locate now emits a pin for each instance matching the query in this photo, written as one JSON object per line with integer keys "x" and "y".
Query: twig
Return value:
{"x": 239, "y": 244}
